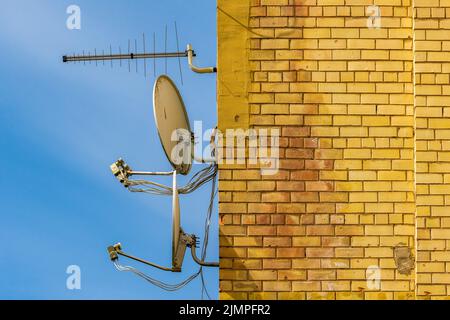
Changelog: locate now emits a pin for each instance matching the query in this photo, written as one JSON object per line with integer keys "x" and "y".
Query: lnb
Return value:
{"x": 121, "y": 171}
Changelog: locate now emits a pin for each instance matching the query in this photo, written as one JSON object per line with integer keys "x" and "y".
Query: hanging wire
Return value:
{"x": 160, "y": 284}
{"x": 206, "y": 232}
{"x": 209, "y": 215}
{"x": 204, "y": 290}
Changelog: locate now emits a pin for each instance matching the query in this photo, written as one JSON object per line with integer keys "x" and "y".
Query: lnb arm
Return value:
{"x": 116, "y": 250}
{"x": 122, "y": 172}
{"x": 193, "y": 246}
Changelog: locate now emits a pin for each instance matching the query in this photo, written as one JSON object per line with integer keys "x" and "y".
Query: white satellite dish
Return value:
{"x": 171, "y": 116}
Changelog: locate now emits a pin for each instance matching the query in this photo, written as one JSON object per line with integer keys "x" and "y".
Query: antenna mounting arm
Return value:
{"x": 116, "y": 250}
{"x": 201, "y": 262}
{"x": 190, "y": 54}
{"x": 123, "y": 171}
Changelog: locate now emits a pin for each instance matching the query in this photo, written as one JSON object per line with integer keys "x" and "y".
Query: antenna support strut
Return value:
{"x": 191, "y": 55}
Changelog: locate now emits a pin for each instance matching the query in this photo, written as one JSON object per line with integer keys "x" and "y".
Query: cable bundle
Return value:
{"x": 160, "y": 284}
{"x": 199, "y": 179}
{"x": 207, "y": 227}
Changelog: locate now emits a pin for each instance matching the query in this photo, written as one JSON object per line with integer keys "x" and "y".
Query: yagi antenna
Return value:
{"x": 129, "y": 56}
{"x": 135, "y": 56}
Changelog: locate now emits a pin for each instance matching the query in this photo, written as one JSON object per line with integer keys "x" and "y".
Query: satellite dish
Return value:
{"x": 176, "y": 229}
{"x": 170, "y": 116}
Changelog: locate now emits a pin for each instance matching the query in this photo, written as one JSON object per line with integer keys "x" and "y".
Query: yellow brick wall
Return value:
{"x": 432, "y": 46}
{"x": 342, "y": 95}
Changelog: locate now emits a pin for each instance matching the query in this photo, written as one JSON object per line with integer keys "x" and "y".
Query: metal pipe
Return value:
{"x": 212, "y": 143}
{"x": 201, "y": 262}
{"x": 191, "y": 56}
{"x": 144, "y": 173}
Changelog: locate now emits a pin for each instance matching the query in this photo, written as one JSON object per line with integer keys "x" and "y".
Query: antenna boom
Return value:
{"x": 130, "y": 56}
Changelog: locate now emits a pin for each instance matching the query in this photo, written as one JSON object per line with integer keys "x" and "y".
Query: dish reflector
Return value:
{"x": 172, "y": 123}
{"x": 176, "y": 229}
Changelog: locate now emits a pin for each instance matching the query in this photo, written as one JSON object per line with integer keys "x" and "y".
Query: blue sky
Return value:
{"x": 62, "y": 125}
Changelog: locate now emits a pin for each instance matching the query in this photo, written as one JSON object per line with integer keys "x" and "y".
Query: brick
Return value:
{"x": 276, "y": 197}
{"x": 233, "y": 230}
{"x": 261, "y": 252}
{"x": 395, "y": 285}
{"x": 261, "y": 208}
{"x": 291, "y": 208}
{"x": 233, "y": 208}
{"x": 290, "y": 252}
{"x": 349, "y": 230}
{"x": 247, "y": 241}
{"x": 277, "y": 242}
{"x": 318, "y": 186}
{"x": 357, "y": 153}
{"x": 379, "y": 230}
{"x": 261, "y": 185}
{"x": 319, "y": 230}
{"x": 261, "y": 230}
{"x": 247, "y": 285}
{"x": 336, "y": 241}
{"x": 321, "y": 274}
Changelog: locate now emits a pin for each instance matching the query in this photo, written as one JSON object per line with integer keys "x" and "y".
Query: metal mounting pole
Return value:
{"x": 201, "y": 262}
{"x": 194, "y": 68}
{"x": 212, "y": 143}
